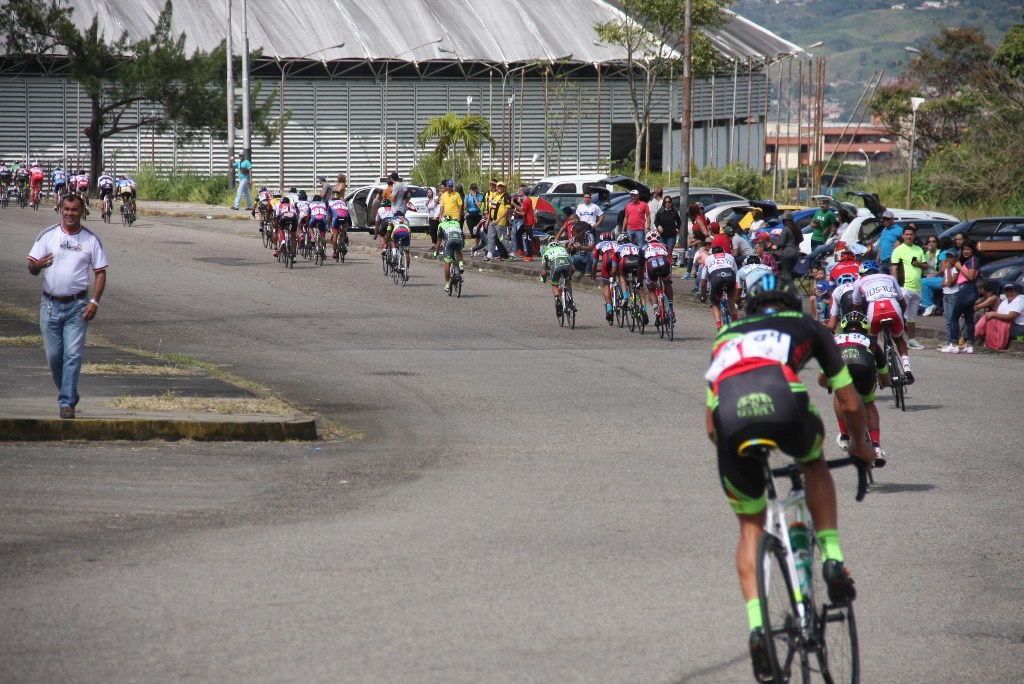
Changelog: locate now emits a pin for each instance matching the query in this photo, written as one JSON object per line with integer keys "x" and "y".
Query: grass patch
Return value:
{"x": 135, "y": 369}
{"x": 22, "y": 341}
{"x": 222, "y": 405}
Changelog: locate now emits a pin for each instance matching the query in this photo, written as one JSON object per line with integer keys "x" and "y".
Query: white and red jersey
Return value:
{"x": 338, "y": 208}
{"x": 719, "y": 262}
{"x": 302, "y": 206}
{"x": 82, "y": 180}
{"x": 265, "y": 197}
{"x": 605, "y": 249}
{"x": 626, "y": 249}
{"x": 384, "y": 214}
{"x": 36, "y": 173}
{"x": 317, "y": 211}
{"x": 843, "y": 268}
{"x": 105, "y": 181}
{"x": 655, "y": 250}
{"x": 875, "y": 288}
{"x": 286, "y": 210}
{"x": 842, "y": 300}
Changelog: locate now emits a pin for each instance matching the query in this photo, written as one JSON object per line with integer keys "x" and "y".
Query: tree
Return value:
{"x": 117, "y": 75}
{"x": 652, "y": 32}
{"x": 1010, "y": 54}
{"x": 472, "y": 131}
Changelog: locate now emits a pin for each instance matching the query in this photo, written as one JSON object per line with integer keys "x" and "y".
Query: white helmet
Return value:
{"x": 652, "y": 236}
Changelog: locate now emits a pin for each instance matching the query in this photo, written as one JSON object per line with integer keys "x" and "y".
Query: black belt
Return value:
{"x": 70, "y": 298}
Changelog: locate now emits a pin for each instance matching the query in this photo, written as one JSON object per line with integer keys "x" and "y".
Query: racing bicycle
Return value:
{"x": 456, "y": 282}
{"x": 399, "y": 271}
{"x": 664, "y": 316}
{"x": 567, "y": 311}
{"x": 897, "y": 376}
{"x": 804, "y": 631}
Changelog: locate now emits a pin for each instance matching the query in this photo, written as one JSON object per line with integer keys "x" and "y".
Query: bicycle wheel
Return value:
{"x": 385, "y": 262}
{"x": 570, "y": 312}
{"x": 561, "y": 311}
{"x": 457, "y": 286}
{"x": 895, "y": 372}
{"x": 632, "y": 314}
{"x": 265, "y": 234}
{"x": 835, "y": 630}
{"x": 778, "y": 606}
{"x": 670, "y": 322}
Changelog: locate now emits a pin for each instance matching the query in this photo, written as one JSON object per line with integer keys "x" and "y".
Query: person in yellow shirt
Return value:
{"x": 498, "y": 209}
{"x": 451, "y": 202}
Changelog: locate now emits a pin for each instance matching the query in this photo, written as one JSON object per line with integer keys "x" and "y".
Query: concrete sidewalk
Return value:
{"x": 28, "y": 397}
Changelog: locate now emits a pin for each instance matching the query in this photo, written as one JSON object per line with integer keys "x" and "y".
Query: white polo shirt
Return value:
{"x": 589, "y": 213}
{"x": 73, "y": 256}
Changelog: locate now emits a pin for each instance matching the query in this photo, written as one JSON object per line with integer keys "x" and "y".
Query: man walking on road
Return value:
{"x": 243, "y": 167}
{"x": 64, "y": 253}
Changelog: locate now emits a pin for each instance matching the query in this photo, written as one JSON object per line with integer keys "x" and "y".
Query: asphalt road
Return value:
{"x": 527, "y": 503}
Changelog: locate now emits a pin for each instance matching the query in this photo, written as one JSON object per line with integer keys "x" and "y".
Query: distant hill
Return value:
{"x": 862, "y": 36}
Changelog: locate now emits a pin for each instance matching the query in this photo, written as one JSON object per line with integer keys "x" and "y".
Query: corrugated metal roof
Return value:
{"x": 490, "y": 31}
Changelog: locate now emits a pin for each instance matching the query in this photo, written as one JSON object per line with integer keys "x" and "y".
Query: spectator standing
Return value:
{"x": 65, "y": 253}
{"x": 637, "y": 218}
{"x": 474, "y": 205}
{"x": 399, "y": 194}
{"x": 967, "y": 268}
{"x": 590, "y": 213}
{"x": 498, "y": 205}
{"x": 668, "y": 223}
{"x": 995, "y": 328}
{"x": 823, "y": 225}
{"x": 699, "y": 232}
{"x": 451, "y": 202}
{"x": 325, "y": 187}
{"x": 908, "y": 257}
{"x": 341, "y": 185}
{"x": 887, "y": 240}
{"x": 525, "y": 220}
{"x": 788, "y": 246}
{"x": 433, "y": 214}
{"x": 931, "y": 281}
{"x": 243, "y": 168}
{"x": 949, "y": 291}
{"x": 656, "y": 201}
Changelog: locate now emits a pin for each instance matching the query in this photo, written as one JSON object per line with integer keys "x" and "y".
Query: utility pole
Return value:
{"x": 231, "y": 103}
{"x": 684, "y": 133}
{"x": 246, "y": 115}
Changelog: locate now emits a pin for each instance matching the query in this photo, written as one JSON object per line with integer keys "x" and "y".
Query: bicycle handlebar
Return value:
{"x": 862, "y": 472}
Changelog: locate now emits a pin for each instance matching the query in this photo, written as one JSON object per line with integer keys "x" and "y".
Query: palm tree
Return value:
{"x": 451, "y": 129}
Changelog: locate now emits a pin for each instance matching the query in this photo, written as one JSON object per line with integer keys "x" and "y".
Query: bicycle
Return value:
{"x": 321, "y": 251}
{"x": 620, "y": 305}
{"x": 897, "y": 376}
{"x": 664, "y": 316}
{"x": 286, "y": 253}
{"x": 636, "y": 309}
{"x": 386, "y": 260}
{"x": 567, "y": 312}
{"x": 399, "y": 271}
{"x": 815, "y": 636}
{"x": 22, "y": 197}
{"x": 5, "y": 197}
{"x": 723, "y": 307}
{"x": 266, "y": 228}
{"x": 456, "y": 282}
{"x": 36, "y": 192}
{"x": 108, "y": 209}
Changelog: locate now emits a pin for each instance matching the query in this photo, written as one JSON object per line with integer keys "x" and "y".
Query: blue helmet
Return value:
{"x": 845, "y": 279}
{"x": 869, "y": 267}
{"x": 771, "y": 290}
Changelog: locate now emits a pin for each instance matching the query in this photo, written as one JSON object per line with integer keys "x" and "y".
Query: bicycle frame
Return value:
{"x": 776, "y": 523}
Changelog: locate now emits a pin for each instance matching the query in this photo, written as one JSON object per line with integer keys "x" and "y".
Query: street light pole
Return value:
{"x": 231, "y": 101}
{"x": 867, "y": 160}
{"x": 915, "y": 102}
{"x": 246, "y": 114}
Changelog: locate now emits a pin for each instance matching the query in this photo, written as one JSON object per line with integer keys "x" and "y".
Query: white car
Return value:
{"x": 363, "y": 201}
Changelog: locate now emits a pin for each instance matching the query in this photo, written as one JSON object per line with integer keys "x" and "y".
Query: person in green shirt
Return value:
{"x": 910, "y": 256}
{"x": 823, "y": 224}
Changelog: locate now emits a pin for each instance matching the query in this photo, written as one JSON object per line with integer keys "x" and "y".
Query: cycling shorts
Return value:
{"x": 341, "y": 222}
{"x": 319, "y": 224}
{"x": 560, "y": 271}
{"x": 450, "y": 247}
{"x": 864, "y": 380}
{"x": 127, "y": 194}
{"x": 721, "y": 282}
{"x": 885, "y": 309}
{"x": 767, "y": 402}
{"x": 606, "y": 264}
{"x": 37, "y": 182}
{"x": 106, "y": 192}
{"x": 401, "y": 237}
{"x": 659, "y": 267}
{"x": 289, "y": 222}
{"x": 5, "y": 178}
{"x": 629, "y": 264}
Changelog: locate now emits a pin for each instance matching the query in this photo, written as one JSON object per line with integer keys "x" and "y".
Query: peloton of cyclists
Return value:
{"x": 719, "y": 277}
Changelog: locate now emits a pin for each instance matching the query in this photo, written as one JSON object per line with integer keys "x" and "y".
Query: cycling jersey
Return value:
{"x": 842, "y": 300}
{"x": 318, "y": 216}
{"x": 627, "y": 258}
{"x": 126, "y": 186}
{"x": 36, "y": 172}
{"x": 302, "y": 207}
{"x": 5, "y": 172}
{"x": 604, "y": 254}
{"x": 383, "y": 215}
{"x": 105, "y": 181}
{"x": 882, "y": 294}
{"x": 83, "y": 182}
{"x": 556, "y": 259}
{"x": 750, "y": 274}
{"x": 339, "y": 211}
{"x": 864, "y": 359}
{"x": 286, "y": 211}
{"x": 754, "y": 391}
{"x": 658, "y": 263}
{"x": 400, "y": 231}
{"x": 265, "y": 198}
{"x": 451, "y": 231}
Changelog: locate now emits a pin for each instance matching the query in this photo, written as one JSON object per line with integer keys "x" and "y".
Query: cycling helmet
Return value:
{"x": 385, "y": 202}
{"x": 263, "y": 188}
{"x": 623, "y": 238}
{"x": 336, "y": 193}
{"x": 854, "y": 321}
{"x": 869, "y": 267}
{"x": 293, "y": 189}
{"x": 845, "y": 279}
{"x": 773, "y": 291}
{"x": 752, "y": 260}
{"x": 316, "y": 198}
{"x": 302, "y": 195}
{"x": 606, "y": 236}
{"x": 286, "y": 200}
{"x": 717, "y": 249}
{"x": 652, "y": 236}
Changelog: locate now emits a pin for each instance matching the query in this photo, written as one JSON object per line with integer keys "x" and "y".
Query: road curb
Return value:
{"x": 140, "y": 429}
{"x": 242, "y": 216}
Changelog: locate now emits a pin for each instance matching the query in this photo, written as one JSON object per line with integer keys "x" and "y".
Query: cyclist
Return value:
{"x": 398, "y": 232}
{"x": 658, "y": 264}
{"x": 842, "y": 300}
{"x": 82, "y": 184}
{"x": 36, "y": 176}
{"x": 381, "y": 223}
{"x": 105, "y": 186}
{"x": 627, "y": 260}
{"x": 6, "y": 175}
{"x": 754, "y": 392}
{"x": 604, "y": 256}
{"x": 339, "y": 223}
{"x": 302, "y": 207}
{"x": 451, "y": 238}
{"x": 293, "y": 196}
{"x": 127, "y": 191}
{"x": 59, "y": 180}
{"x": 718, "y": 276}
{"x": 555, "y": 262}
{"x": 264, "y": 206}
{"x": 21, "y": 179}
{"x": 884, "y": 299}
{"x": 318, "y": 220}
{"x": 752, "y": 270}
{"x": 846, "y": 264}
{"x": 286, "y": 218}
{"x": 866, "y": 362}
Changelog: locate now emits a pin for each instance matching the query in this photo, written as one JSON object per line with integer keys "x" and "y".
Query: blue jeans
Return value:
{"x": 948, "y": 302}
{"x": 929, "y": 286}
{"x": 670, "y": 244}
{"x": 637, "y": 236}
{"x": 243, "y": 189}
{"x": 63, "y": 330}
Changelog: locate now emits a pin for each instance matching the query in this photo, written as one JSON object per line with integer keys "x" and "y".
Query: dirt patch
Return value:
{"x": 222, "y": 405}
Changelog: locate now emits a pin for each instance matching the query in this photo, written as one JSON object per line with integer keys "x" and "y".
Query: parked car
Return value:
{"x": 1008, "y": 268}
{"x": 548, "y": 207}
{"x": 365, "y": 199}
{"x": 997, "y": 236}
{"x": 565, "y": 184}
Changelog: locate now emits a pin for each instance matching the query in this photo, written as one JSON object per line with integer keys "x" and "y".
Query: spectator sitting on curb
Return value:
{"x": 995, "y": 328}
